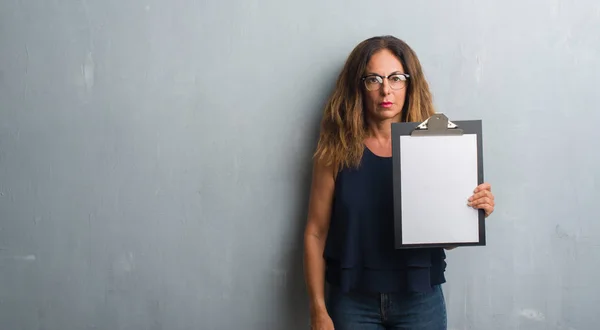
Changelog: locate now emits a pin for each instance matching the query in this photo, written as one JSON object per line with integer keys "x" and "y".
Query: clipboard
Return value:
{"x": 437, "y": 165}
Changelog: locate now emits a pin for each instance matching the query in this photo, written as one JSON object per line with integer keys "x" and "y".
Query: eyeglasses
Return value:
{"x": 396, "y": 80}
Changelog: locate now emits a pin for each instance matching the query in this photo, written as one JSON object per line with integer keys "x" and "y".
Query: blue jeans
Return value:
{"x": 349, "y": 311}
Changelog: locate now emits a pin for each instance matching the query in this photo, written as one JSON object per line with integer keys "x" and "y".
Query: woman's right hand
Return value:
{"x": 321, "y": 321}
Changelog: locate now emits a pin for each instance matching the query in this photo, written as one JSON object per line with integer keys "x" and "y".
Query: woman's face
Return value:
{"x": 384, "y": 100}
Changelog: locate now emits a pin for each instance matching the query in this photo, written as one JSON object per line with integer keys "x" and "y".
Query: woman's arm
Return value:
{"x": 315, "y": 234}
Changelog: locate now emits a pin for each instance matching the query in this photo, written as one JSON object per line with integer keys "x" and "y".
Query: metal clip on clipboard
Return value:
{"x": 437, "y": 124}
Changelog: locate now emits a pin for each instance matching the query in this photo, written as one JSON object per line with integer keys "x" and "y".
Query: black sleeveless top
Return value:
{"x": 359, "y": 251}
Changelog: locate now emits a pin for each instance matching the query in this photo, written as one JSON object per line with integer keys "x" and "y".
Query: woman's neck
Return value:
{"x": 380, "y": 131}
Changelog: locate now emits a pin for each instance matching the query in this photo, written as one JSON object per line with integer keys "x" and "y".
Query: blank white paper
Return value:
{"x": 438, "y": 175}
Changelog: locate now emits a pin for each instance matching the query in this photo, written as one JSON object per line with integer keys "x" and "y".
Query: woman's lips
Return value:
{"x": 385, "y": 104}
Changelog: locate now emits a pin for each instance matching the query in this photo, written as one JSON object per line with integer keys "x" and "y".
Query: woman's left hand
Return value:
{"x": 483, "y": 199}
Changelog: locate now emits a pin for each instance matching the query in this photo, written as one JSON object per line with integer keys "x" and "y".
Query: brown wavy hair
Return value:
{"x": 343, "y": 126}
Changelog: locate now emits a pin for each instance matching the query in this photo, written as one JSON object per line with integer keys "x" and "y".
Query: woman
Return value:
{"x": 348, "y": 238}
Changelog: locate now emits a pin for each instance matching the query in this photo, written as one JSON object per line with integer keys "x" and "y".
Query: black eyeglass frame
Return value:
{"x": 381, "y": 78}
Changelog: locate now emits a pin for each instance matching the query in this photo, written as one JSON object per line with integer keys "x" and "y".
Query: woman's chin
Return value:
{"x": 384, "y": 113}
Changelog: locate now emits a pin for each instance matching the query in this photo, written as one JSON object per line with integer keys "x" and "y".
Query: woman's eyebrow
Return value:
{"x": 377, "y": 74}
